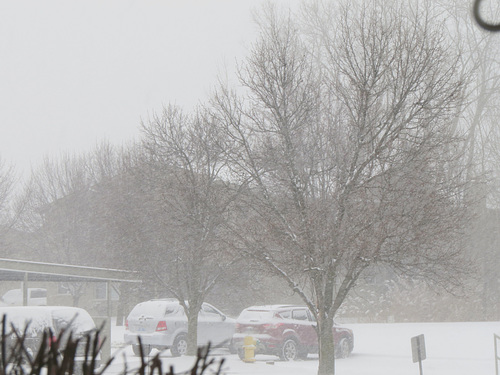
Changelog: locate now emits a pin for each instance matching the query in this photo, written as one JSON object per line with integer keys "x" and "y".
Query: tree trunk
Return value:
{"x": 326, "y": 347}
{"x": 76, "y": 297}
{"x": 192, "y": 338}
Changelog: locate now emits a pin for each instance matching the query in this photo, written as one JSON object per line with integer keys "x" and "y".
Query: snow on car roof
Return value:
{"x": 274, "y": 307}
{"x": 80, "y": 319}
{"x": 41, "y": 317}
{"x": 157, "y": 308}
{"x": 20, "y": 316}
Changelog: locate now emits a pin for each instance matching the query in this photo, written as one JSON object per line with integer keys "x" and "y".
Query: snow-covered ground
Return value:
{"x": 379, "y": 349}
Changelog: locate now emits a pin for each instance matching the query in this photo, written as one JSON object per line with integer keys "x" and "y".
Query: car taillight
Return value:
{"x": 161, "y": 326}
{"x": 237, "y": 327}
{"x": 126, "y": 324}
{"x": 269, "y": 326}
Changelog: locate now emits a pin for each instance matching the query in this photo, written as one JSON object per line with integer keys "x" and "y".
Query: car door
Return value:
{"x": 304, "y": 327}
{"x": 212, "y": 326}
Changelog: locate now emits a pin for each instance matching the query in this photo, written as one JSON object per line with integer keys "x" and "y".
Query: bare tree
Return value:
{"x": 479, "y": 120}
{"x": 70, "y": 214}
{"x": 6, "y": 187}
{"x": 349, "y": 144}
{"x": 478, "y": 56}
{"x": 7, "y": 217}
{"x": 192, "y": 202}
{"x": 58, "y": 195}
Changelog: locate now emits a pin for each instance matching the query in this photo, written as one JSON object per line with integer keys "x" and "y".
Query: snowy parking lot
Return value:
{"x": 380, "y": 349}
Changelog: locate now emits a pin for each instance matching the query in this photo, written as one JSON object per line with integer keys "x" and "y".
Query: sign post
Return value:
{"x": 497, "y": 356}
{"x": 418, "y": 350}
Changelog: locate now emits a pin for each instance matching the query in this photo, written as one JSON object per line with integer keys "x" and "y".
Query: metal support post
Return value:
{"x": 106, "y": 349}
{"x": 25, "y": 289}
{"x": 497, "y": 356}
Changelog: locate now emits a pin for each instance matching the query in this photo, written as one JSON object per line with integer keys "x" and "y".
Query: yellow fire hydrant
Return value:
{"x": 249, "y": 348}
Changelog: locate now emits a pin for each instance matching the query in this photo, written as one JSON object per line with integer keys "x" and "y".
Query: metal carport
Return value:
{"x": 26, "y": 271}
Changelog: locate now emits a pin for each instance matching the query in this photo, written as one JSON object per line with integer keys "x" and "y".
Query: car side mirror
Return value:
{"x": 223, "y": 317}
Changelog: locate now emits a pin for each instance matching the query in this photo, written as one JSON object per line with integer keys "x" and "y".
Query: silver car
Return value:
{"x": 162, "y": 324}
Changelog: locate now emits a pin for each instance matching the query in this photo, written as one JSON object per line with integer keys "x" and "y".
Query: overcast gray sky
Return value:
{"x": 73, "y": 73}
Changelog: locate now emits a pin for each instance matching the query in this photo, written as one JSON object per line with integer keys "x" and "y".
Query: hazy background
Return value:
{"x": 73, "y": 73}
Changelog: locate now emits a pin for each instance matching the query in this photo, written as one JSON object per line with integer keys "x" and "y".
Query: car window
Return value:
{"x": 300, "y": 314}
{"x": 209, "y": 310}
{"x": 169, "y": 310}
{"x": 285, "y": 314}
{"x": 39, "y": 293}
{"x": 311, "y": 317}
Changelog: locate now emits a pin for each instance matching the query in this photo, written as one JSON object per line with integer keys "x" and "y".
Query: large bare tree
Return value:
{"x": 193, "y": 201}
{"x": 348, "y": 140}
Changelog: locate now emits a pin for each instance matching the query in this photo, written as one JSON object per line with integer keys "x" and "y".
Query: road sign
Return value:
{"x": 418, "y": 350}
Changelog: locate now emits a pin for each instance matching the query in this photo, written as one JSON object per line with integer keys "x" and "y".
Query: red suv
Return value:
{"x": 287, "y": 331}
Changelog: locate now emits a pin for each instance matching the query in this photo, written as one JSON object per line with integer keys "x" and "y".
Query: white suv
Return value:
{"x": 162, "y": 324}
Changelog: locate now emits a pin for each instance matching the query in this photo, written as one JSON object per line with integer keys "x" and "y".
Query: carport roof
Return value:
{"x": 19, "y": 270}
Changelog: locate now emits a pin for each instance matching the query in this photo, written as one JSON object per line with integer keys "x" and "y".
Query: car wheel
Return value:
{"x": 232, "y": 348}
{"x": 179, "y": 347}
{"x": 303, "y": 354}
{"x": 146, "y": 349}
{"x": 344, "y": 348}
{"x": 289, "y": 350}
{"x": 241, "y": 353}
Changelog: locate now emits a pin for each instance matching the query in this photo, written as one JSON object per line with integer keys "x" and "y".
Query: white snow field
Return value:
{"x": 380, "y": 349}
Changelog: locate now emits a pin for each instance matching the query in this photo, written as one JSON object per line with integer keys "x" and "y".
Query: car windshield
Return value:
{"x": 256, "y": 315}
{"x": 155, "y": 309}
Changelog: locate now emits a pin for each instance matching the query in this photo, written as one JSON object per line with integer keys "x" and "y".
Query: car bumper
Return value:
{"x": 265, "y": 344}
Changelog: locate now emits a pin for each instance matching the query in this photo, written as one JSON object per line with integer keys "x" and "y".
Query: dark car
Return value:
{"x": 287, "y": 331}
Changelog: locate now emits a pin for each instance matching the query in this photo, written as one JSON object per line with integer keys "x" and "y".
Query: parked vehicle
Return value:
{"x": 287, "y": 331}
{"x": 162, "y": 324}
{"x": 14, "y": 297}
{"x": 36, "y": 320}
